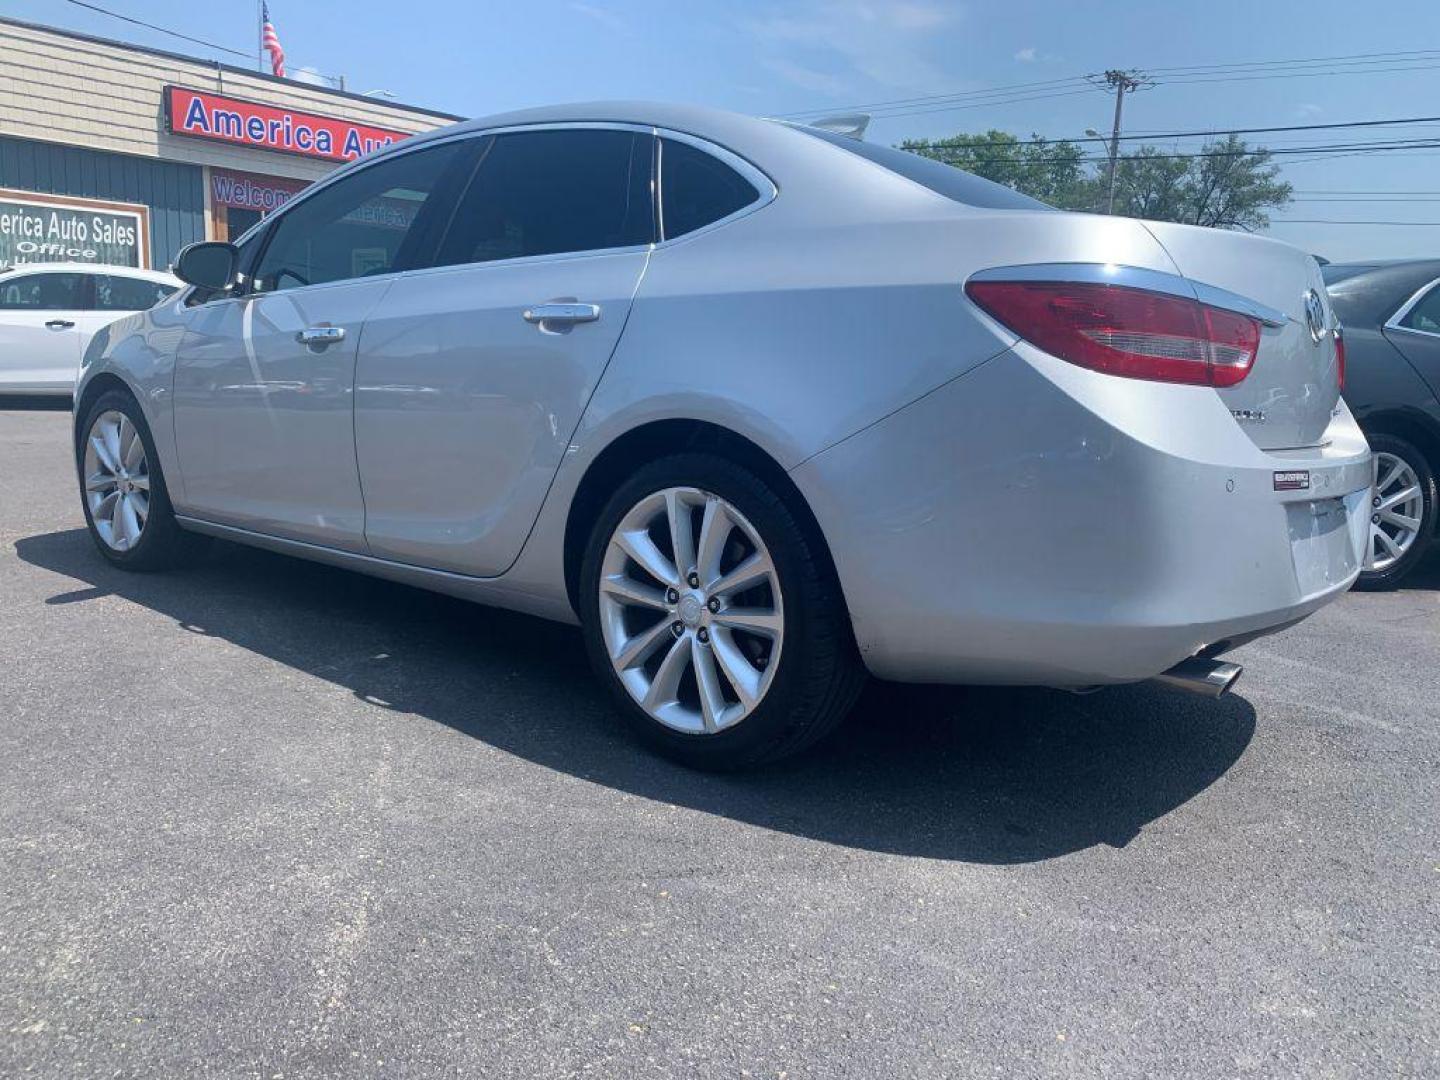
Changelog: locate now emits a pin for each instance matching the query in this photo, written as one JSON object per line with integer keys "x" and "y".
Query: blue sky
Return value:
{"x": 784, "y": 57}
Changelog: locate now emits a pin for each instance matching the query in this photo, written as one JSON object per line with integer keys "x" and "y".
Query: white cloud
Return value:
{"x": 603, "y": 16}
{"x": 807, "y": 78}
{"x": 825, "y": 45}
{"x": 1026, "y": 55}
{"x": 1308, "y": 110}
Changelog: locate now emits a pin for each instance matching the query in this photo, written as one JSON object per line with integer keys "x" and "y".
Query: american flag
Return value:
{"x": 271, "y": 42}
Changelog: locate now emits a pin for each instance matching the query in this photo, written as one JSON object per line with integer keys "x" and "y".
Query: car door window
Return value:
{"x": 43, "y": 292}
{"x": 554, "y": 191}
{"x": 698, "y": 189}
{"x": 366, "y": 224}
{"x": 114, "y": 292}
{"x": 1426, "y": 314}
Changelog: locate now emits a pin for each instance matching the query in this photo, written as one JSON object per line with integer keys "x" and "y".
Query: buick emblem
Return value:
{"x": 1315, "y": 315}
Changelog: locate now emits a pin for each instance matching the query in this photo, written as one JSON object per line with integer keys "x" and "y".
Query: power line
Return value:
{"x": 1235, "y": 71}
{"x": 1338, "y": 149}
{"x": 1348, "y": 57}
{"x": 1161, "y": 136}
{"x": 1333, "y": 221}
{"x": 930, "y": 98}
{"x": 1295, "y": 74}
{"x": 158, "y": 29}
{"x": 983, "y": 104}
{"x": 894, "y": 114}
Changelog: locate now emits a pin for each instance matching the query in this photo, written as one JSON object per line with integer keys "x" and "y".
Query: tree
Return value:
{"x": 1053, "y": 172}
{"x": 1227, "y": 184}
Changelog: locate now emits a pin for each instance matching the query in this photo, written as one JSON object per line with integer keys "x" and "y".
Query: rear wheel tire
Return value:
{"x": 714, "y": 618}
{"x": 122, "y": 489}
{"x": 1402, "y": 513}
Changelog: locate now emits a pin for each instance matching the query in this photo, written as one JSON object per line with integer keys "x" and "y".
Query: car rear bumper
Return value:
{"x": 1034, "y": 523}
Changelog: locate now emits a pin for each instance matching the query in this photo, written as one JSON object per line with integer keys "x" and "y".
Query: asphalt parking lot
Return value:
{"x": 264, "y": 818}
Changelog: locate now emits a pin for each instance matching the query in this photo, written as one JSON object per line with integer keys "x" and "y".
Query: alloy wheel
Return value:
{"x": 117, "y": 480}
{"x": 690, "y": 610}
{"x": 1397, "y": 509}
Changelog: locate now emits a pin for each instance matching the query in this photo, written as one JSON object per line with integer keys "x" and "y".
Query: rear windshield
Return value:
{"x": 1334, "y": 274}
{"x": 955, "y": 184}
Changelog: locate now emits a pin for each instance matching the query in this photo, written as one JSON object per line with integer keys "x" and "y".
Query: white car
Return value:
{"x": 50, "y": 311}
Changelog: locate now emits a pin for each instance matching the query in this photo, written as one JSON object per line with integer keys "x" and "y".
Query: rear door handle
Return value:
{"x": 320, "y": 336}
{"x": 59, "y": 324}
{"x": 562, "y": 314}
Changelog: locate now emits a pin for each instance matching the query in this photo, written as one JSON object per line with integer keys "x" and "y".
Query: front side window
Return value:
{"x": 551, "y": 192}
{"x": 360, "y": 226}
{"x": 697, "y": 188}
{"x": 43, "y": 292}
{"x": 117, "y": 293}
{"x": 1426, "y": 314}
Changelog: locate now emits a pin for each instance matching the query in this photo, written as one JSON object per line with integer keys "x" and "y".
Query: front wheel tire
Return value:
{"x": 122, "y": 489}
{"x": 713, "y": 616}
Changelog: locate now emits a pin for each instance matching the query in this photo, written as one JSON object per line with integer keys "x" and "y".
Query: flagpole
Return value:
{"x": 259, "y": 37}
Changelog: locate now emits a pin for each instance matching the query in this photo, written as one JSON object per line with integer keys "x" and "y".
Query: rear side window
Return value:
{"x": 551, "y": 192}
{"x": 116, "y": 293}
{"x": 955, "y": 184}
{"x": 43, "y": 292}
{"x": 1426, "y": 314}
{"x": 697, "y": 188}
{"x": 356, "y": 227}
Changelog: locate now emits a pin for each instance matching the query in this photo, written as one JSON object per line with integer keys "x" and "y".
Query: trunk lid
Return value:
{"x": 1289, "y": 396}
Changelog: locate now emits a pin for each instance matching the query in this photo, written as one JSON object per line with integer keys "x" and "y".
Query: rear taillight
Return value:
{"x": 1340, "y": 356}
{"x": 1123, "y": 331}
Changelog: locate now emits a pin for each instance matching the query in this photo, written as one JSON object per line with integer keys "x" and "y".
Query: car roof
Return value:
{"x": 825, "y": 182}
{"x": 89, "y": 268}
{"x": 1369, "y": 293}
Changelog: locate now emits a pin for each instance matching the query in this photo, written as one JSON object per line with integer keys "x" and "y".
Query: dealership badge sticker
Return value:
{"x": 1297, "y": 480}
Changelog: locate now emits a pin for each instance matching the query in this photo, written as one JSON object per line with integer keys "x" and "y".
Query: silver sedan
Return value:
{"x": 761, "y": 407}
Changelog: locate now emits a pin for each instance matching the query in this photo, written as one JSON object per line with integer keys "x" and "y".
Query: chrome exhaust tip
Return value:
{"x": 1201, "y": 675}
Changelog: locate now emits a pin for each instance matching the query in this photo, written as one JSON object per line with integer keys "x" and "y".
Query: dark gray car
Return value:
{"x": 1391, "y": 314}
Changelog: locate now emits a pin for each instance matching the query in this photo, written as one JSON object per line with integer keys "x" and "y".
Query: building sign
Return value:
{"x": 56, "y": 228}
{"x": 201, "y": 115}
{"x": 247, "y": 192}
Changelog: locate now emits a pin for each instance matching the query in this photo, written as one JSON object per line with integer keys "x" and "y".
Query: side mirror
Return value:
{"x": 210, "y": 265}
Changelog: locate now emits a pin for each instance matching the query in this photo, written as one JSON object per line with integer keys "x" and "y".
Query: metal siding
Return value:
{"x": 173, "y": 191}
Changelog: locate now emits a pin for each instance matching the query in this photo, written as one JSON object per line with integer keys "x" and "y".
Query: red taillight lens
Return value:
{"x": 1340, "y": 356}
{"x": 1124, "y": 331}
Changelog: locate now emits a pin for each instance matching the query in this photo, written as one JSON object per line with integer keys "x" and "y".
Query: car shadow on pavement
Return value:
{"x": 981, "y": 775}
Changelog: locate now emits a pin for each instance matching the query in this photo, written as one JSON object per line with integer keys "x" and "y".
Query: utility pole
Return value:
{"x": 1122, "y": 83}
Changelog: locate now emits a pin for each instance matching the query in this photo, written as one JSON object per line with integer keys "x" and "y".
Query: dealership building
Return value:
{"x": 118, "y": 154}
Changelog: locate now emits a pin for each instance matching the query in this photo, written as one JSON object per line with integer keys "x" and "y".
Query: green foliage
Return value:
{"x": 1230, "y": 187}
{"x": 1229, "y": 184}
{"x": 1053, "y": 172}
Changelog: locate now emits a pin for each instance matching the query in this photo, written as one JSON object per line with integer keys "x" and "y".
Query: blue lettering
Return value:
{"x": 227, "y": 123}
{"x": 195, "y": 118}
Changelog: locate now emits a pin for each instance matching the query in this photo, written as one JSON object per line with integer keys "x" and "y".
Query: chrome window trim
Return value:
{"x": 1393, "y": 323}
{"x": 519, "y": 260}
{"x": 765, "y": 189}
{"x": 1135, "y": 277}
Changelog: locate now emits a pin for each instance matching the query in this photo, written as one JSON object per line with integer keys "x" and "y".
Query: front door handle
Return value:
{"x": 544, "y": 315}
{"x": 317, "y": 337}
{"x": 59, "y": 324}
